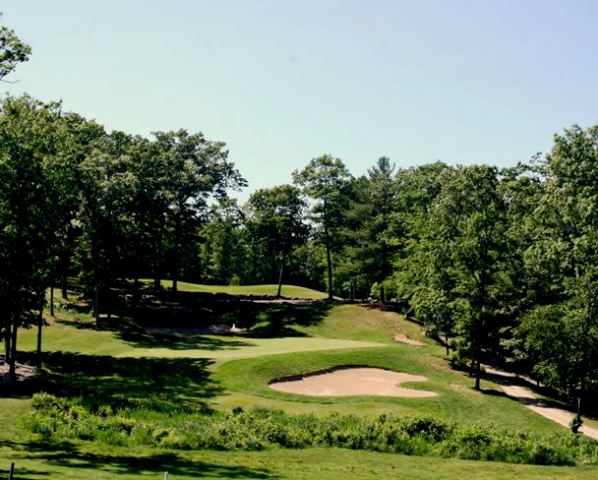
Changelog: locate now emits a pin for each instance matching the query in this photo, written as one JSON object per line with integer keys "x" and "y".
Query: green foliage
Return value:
{"x": 12, "y": 51}
{"x": 327, "y": 181}
{"x": 261, "y": 429}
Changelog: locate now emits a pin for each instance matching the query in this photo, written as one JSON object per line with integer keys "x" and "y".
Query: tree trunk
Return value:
{"x": 96, "y": 305}
{"x": 38, "y": 352}
{"x": 52, "y": 300}
{"x": 446, "y": 343}
{"x": 12, "y": 367}
{"x": 158, "y": 257}
{"x": 328, "y": 255}
{"x": 64, "y": 287}
{"x": 178, "y": 227}
{"x": 7, "y": 344}
{"x": 279, "y": 291}
{"x": 477, "y": 373}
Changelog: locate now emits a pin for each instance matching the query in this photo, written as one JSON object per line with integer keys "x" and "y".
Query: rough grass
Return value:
{"x": 364, "y": 322}
{"x": 73, "y": 462}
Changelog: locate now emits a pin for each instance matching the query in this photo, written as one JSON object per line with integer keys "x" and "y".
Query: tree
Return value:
{"x": 194, "y": 170}
{"x": 224, "y": 249}
{"x": 276, "y": 220}
{"x": 564, "y": 254}
{"x": 29, "y": 144}
{"x": 108, "y": 190}
{"x": 326, "y": 180}
{"x": 12, "y": 51}
{"x": 372, "y": 235}
{"x": 469, "y": 212}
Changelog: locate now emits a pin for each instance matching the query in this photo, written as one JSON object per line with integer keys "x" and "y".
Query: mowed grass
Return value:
{"x": 246, "y": 382}
{"x": 73, "y": 462}
{"x": 288, "y": 291}
{"x": 242, "y": 367}
{"x": 67, "y": 337}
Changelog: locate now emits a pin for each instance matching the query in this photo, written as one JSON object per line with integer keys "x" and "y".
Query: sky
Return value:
{"x": 282, "y": 82}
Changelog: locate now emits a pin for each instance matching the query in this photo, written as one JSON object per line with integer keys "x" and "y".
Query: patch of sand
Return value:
{"x": 354, "y": 381}
{"x": 409, "y": 341}
{"x": 24, "y": 371}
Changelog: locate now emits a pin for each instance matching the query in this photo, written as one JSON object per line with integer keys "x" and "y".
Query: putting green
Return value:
{"x": 231, "y": 348}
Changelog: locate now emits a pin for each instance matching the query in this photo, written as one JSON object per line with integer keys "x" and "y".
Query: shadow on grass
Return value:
{"x": 279, "y": 320}
{"x": 68, "y": 455}
{"x": 163, "y": 384}
{"x": 261, "y": 320}
{"x": 179, "y": 340}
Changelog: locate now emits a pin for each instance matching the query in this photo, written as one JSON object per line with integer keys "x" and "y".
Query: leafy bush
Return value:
{"x": 261, "y": 428}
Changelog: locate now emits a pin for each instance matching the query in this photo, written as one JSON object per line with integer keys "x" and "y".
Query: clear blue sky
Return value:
{"x": 284, "y": 81}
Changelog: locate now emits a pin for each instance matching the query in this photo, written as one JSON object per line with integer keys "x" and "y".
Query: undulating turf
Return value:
{"x": 225, "y": 372}
{"x": 73, "y": 462}
{"x": 288, "y": 291}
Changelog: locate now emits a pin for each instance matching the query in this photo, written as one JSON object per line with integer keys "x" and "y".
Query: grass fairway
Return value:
{"x": 288, "y": 291}
{"x": 226, "y": 372}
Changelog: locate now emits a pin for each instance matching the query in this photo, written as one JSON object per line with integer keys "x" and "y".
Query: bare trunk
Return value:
{"x": 477, "y": 373}
{"x": 7, "y": 345}
{"x": 446, "y": 343}
{"x": 63, "y": 287}
{"x": 52, "y": 300}
{"x": 328, "y": 263}
{"x": 158, "y": 257}
{"x": 279, "y": 291}
{"x": 12, "y": 367}
{"x": 38, "y": 353}
{"x": 177, "y": 247}
{"x": 96, "y": 305}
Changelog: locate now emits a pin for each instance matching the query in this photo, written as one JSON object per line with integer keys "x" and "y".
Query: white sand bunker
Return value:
{"x": 346, "y": 381}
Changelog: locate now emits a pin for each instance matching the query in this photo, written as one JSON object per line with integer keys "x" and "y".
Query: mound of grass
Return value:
{"x": 247, "y": 381}
{"x": 364, "y": 322}
{"x": 288, "y": 291}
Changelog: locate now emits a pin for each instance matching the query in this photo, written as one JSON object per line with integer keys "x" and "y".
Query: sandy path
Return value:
{"x": 409, "y": 341}
{"x": 354, "y": 381}
{"x": 531, "y": 401}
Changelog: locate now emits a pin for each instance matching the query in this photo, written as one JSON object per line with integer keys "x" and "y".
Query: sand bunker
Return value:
{"x": 348, "y": 381}
{"x": 409, "y": 341}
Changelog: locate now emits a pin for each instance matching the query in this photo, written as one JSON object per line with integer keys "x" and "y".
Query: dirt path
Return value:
{"x": 526, "y": 396}
{"x": 409, "y": 341}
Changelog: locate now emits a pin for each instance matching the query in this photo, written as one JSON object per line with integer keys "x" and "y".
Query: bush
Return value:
{"x": 262, "y": 428}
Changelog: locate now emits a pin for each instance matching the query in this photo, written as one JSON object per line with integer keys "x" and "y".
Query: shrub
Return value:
{"x": 261, "y": 428}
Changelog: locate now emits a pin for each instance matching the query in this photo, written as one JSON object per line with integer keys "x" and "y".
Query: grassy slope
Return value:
{"x": 245, "y": 382}
{"x": 288, "y": 291}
